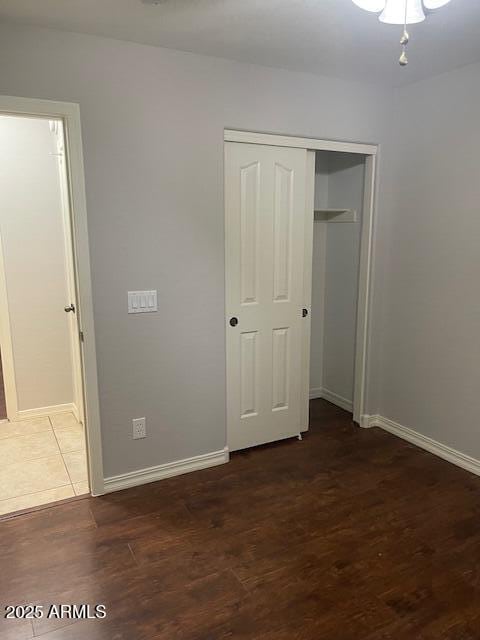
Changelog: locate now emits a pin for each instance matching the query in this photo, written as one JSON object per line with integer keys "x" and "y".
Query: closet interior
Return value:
{"x": 339, "y": 195}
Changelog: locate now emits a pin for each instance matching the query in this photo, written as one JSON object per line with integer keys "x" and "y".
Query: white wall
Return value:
{"x": 339, "y": 184}
{"x": 31, "y": 229}
{"x": 153, "y": 123}
{"x": 431, "y": 347}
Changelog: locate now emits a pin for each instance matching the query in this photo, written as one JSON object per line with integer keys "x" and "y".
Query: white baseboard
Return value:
{"x": 46, "y": 411}
{"x": 315, "y": 393}
{"x": 76, "y": 412}
{"x": 424, "y": 442}
{"x": 366, "y": 421}
{"x": 334, "y": 398}
{"x": 168, "y": 470}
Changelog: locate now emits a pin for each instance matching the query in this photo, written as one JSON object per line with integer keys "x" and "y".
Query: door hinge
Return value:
{"x": 82, "y": 337}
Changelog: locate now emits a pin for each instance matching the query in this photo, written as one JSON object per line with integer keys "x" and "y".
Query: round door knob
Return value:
{"x": 233, "y": 322}
{"x": 304, "y": 313}
{"x": 70, "y": 308}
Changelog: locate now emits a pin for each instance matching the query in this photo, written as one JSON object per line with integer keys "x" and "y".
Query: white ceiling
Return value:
{"x": 326, "y": 37}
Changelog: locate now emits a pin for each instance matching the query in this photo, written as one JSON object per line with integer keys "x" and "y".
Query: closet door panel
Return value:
{"x": 265, "y": 210}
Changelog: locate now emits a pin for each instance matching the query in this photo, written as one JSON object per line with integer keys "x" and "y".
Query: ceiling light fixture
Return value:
{"x": 401, "y": 12}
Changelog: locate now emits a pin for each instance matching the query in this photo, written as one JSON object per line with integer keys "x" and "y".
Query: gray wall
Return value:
{"x": 153, "y": 123}
{"x": 336, "y": 251}
{"x": 431, "y": 346}
{"x": 31, "y": 229}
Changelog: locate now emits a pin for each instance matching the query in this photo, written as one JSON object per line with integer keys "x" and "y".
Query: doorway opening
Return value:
{"x": 338, "y": 214}
{"x": 43, "y": 444}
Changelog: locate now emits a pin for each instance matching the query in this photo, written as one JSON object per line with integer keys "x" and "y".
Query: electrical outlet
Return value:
{"x": 139, "y": 428}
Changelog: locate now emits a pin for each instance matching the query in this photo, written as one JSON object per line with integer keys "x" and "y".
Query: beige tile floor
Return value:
{"x": 41, "y": 460}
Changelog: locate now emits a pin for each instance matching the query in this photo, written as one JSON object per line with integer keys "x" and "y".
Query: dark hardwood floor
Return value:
{"x": 350, "y": 534}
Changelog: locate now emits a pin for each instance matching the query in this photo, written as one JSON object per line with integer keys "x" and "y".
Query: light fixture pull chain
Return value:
{"x": 403, "y": 60}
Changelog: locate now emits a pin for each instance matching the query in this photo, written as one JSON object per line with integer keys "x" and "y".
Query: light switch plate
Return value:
{"x": 142, "y": 301}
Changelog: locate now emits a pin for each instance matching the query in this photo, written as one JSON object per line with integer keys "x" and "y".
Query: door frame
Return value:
{"x": 69, "y": 114}
{"x": 365, "y": 276}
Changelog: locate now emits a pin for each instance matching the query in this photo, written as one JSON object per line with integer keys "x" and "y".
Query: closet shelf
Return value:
{"x": 335, "y": 215}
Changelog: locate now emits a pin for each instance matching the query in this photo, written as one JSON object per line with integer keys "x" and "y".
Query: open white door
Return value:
{"x": 265, "y": 209}
{"x": 71, "y": 303}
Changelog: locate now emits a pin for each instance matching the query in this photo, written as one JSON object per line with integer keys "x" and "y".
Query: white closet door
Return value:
{"x": 265, "y": 208}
